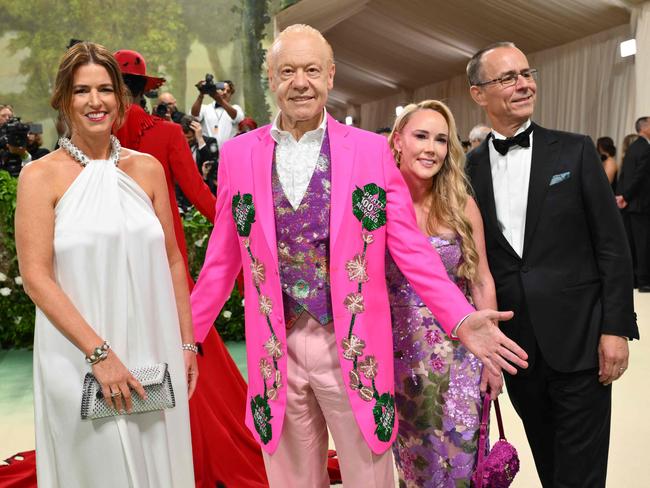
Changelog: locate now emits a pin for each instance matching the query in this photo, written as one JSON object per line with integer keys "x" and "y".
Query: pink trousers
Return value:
{"x": 316, "y": 400}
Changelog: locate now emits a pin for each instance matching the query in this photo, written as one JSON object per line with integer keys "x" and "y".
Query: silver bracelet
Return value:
{"x": 190, "y": 347}
{"x": 99, "y": 353}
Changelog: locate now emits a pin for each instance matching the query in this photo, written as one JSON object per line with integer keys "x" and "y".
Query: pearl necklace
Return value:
{"x": 79, "y": 156}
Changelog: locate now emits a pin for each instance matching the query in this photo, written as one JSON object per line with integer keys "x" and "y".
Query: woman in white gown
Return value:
{"x": 99, "y": 259}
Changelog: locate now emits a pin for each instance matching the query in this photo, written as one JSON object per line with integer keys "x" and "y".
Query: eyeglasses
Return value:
{"x": 510, "y": 79}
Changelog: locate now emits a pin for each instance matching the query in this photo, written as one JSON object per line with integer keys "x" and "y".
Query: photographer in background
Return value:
{"x": 204, "y": 149}
{"x": 205, "y": 153}
{"x": 35, "y": 141}
{"x": 6, "y": 112}
{"x": 13, "y": 144}
{"x": 162, "y": 111}
{"x": 219, "y": 119}
{"x": 168, "y": 99}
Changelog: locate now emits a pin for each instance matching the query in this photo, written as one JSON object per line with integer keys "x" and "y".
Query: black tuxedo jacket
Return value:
{"x": 574, "y": 280}
{"x": 634, "y": 183}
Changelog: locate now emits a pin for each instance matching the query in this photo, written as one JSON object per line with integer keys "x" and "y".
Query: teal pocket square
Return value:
{"x": 559, "y": 178}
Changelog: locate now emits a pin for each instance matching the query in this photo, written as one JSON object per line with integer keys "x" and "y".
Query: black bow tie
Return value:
{"x": 521, "y": 140}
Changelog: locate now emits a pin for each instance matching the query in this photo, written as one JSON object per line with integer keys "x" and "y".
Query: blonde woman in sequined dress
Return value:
{"x": 438, "y": 382}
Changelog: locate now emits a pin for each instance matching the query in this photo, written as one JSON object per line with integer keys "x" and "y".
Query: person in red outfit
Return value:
{"x": 217, "y": 408}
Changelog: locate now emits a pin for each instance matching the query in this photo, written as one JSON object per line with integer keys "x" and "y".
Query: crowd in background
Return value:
{"x": 206, "y": 129}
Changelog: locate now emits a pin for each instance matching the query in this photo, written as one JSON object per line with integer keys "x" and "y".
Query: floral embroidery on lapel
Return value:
{"x": 243, "y": 212}
{"x": 357, "y": 269}
{"x": 369, "y": 207}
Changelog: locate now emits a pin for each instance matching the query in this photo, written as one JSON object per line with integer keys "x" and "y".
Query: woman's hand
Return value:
{"x": 191, "y": 371}
{"x": 117, "y": 382}
{"x": 491, "y": 382}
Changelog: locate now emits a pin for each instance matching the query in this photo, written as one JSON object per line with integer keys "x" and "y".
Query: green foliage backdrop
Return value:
{"x": 162, "y": 30}
{"x": 45, "y": 27}
{"x": 16, "y": 309}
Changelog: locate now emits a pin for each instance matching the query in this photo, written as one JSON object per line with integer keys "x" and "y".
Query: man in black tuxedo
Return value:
{"x": 559, "y": 257}
{"x": 634, "y": 200}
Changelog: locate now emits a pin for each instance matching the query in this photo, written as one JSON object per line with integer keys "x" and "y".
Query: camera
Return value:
{"x": 14, "y": 133}
{"x": 11, "y": 163}
{"x": 161, "y": 110}
{"x": 210, "y": 86}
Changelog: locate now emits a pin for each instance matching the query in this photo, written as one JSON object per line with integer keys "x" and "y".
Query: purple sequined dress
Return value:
{"x": 436, "y": 386}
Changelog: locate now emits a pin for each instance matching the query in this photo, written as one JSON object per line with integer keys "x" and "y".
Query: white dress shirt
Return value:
{"x": 510, "y": 177}
{"x": 215, "y": 122}
{"x": 295, "y": 161}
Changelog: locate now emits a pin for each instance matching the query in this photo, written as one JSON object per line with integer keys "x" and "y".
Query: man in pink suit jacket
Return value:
{"x": 318, "y": 328}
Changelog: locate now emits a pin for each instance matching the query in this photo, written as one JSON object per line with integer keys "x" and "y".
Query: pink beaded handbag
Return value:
{"x": 499, "y": 467}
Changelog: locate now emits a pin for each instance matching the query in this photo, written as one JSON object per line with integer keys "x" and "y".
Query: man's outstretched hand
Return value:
{"x": 481, "y": 335}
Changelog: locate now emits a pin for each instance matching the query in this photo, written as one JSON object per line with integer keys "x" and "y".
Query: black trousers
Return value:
{"x": 639, "y": 233}
{"x": 567, "y": 421}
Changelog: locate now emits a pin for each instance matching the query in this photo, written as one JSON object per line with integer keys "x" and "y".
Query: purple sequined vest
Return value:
{"x": 303, "y": 244}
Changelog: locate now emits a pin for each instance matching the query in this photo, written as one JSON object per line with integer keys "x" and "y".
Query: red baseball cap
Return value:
{"x": 132, "y": 63}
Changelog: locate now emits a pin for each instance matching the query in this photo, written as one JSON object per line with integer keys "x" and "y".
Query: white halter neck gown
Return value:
{"x": 110, "y": 260}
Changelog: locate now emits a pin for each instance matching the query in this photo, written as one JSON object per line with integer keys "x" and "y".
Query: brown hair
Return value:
{"x": 450, "y": 187}
{"x": 82, "y": 54}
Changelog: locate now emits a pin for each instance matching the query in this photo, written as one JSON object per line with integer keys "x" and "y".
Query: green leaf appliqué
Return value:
{"x": 384, "y": 413}
{"x": 243, "y": 212}
{"x": 262, "y": 417}
{"x": 369, "y": 206}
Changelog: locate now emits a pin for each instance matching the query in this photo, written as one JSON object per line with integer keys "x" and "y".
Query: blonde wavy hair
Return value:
{"x": 450, "y": 188}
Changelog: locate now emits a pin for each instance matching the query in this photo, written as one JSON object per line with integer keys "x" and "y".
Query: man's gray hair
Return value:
{"x": 640, "y": 123}
{"x": 479, "y": 133}
{"x": 475, "y": 65}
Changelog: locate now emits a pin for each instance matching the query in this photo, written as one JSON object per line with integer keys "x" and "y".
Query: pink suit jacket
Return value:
{"x": 359, "y": 295}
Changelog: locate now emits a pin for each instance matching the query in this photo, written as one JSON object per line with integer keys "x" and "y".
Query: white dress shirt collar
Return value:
{"x": 317, "y": 134}
{"x": 523, "y": 127}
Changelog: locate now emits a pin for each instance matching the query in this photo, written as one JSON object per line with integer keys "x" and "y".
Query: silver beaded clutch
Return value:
{"x": 156, "y": 381}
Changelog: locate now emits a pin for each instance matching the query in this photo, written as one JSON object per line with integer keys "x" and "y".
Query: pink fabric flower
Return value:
{"x": 354, "y": 303}
{"x": 436, "y": 364}
{"x": 266, "y": 305}
{"x": 258, "y": 271}
{"x": 265, "y": 368}
{"x": 273, "y": 347}
{"x": 369, "y": 367}
{"x": 352, "y": 347}
{"x": 357, "y": 269}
